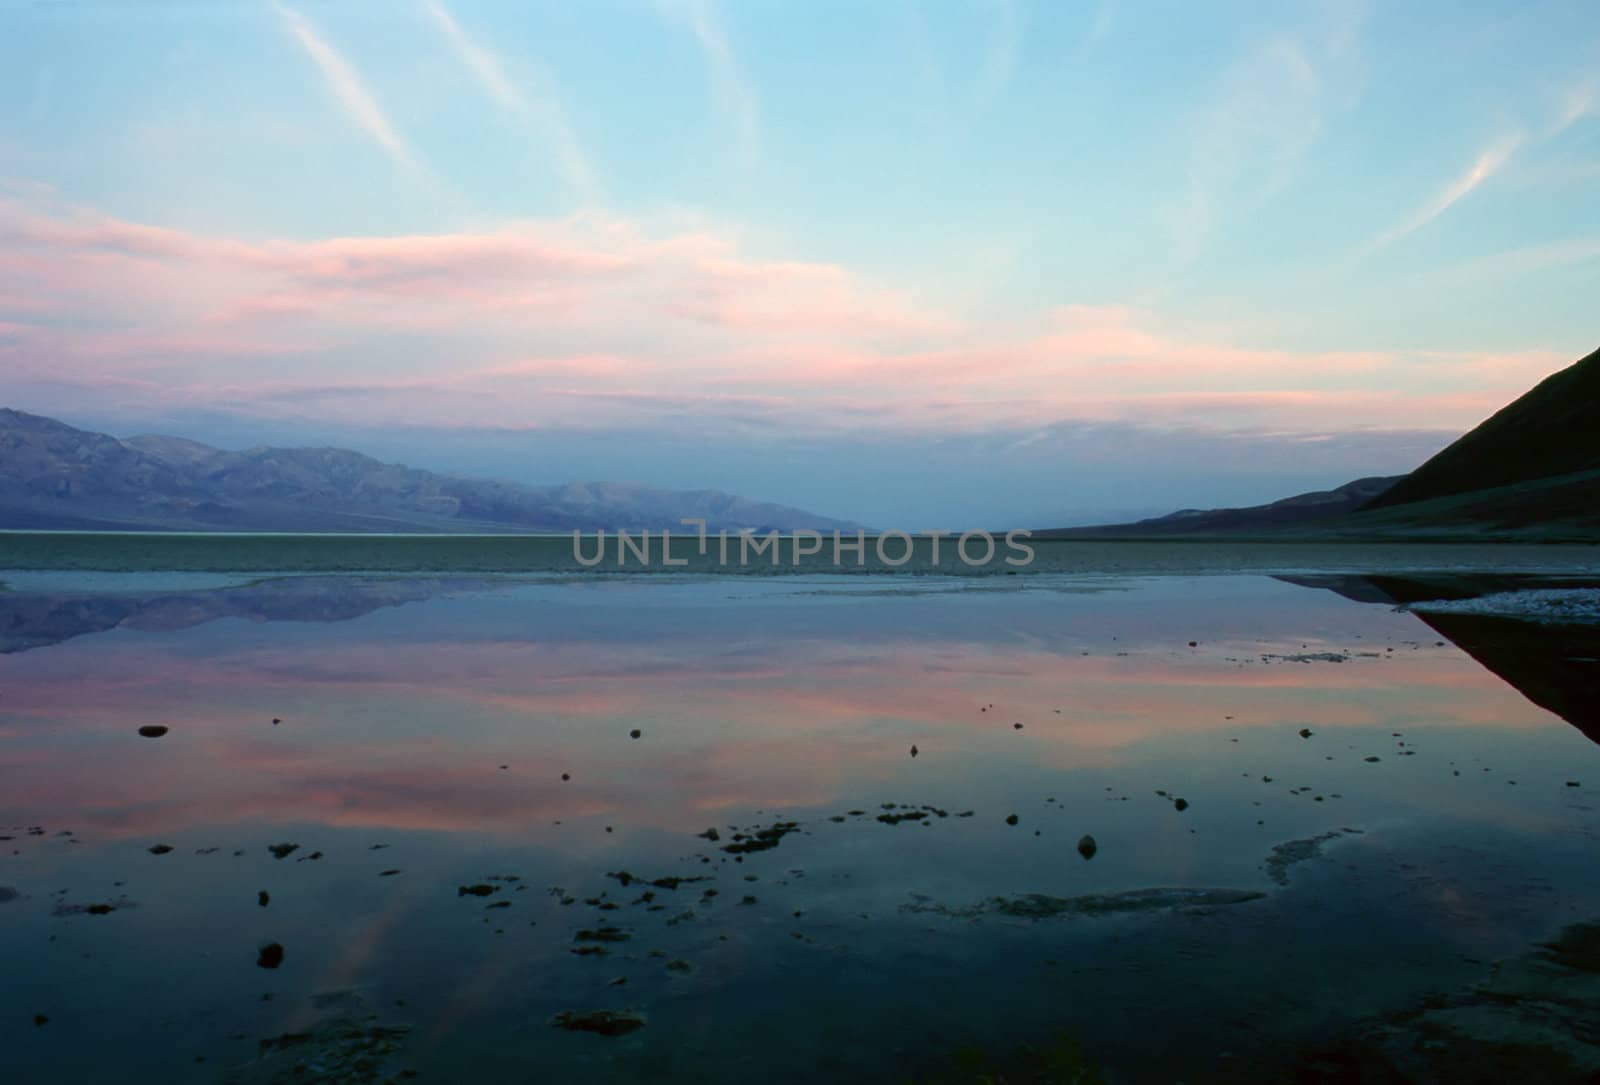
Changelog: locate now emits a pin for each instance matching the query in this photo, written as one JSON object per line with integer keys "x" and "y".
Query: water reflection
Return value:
{"x": 1555, "y": 666}
{"x": 417, "y": 739}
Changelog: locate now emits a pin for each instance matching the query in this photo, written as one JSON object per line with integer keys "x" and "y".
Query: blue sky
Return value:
{"x": 914, "y": 264}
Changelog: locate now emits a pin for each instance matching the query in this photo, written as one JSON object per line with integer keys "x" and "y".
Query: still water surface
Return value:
{"x": 862, "y": 782}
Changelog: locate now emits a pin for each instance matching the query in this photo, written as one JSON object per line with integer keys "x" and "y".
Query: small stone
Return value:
{"x": 1194, "y": 644}
{"x": 602, "y": 1022}
{"x": 269, "y": 956}
{"x": 479, "y": 890}
{"x": 40, "y": 1020}
{"x": 1306, "y": 732}
{"x": 276, "y": 721}
{"x": 1369, "y": 760}
{"x": 1087, "y": 846}
{"x": 1011, "y": 819}
{"x": 263, "y": 898}
{"x": 1180, "y": 804}
{"x": 160, "y": 849}
{"x": 635, "y": 733}
{"x": 566, "y": 776}
{"x": 913, "y": 751}
{"x": 1573, "y": 783}
{"x": 152, "y": 730}
{"x": 280, "y": 851}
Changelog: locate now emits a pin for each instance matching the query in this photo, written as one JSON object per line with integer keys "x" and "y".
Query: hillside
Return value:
{"x": 54, "y": 476}
{"x": 1552, "y": 430}
{"x": 1301, "y": 511}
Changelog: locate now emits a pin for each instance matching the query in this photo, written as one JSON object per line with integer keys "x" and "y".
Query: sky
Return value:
{"x": 942, "y": 265}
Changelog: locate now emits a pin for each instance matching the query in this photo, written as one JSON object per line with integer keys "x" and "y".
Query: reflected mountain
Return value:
{"x": 1556, "y": 666}
{"x": 37, "y": 619}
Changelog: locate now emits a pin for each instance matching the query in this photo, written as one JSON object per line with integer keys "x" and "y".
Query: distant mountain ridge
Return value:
{"x": 1302, "y": 510}
{"x": 55, "y": 476}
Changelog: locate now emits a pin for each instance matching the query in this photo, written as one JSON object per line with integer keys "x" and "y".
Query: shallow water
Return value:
{"x": 458, "y": 732}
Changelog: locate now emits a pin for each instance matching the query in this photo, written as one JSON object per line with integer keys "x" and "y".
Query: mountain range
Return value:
{"x": 54, "y": 476}
{"x": 1531, "y": 471}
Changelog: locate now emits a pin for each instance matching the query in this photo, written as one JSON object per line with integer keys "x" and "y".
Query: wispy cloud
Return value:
{"x": 1105, "y": 18}
{"x": 608, "y": 325}
{"x": 1581, "y": 100}
{"x": 354, "y": 96}
{"x": 545, "y": 114}
{"x": 1247, "y": 140}
{"x": 730, "y": 85}
{"x": 999, "y": 58}
{"x": 1490, "y": 161}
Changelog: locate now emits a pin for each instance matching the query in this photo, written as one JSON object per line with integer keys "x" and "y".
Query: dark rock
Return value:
{"x": 269, "y": 956}
{"x": 280, "y": 851}
{"x": 1180, "y": 804}
{"x": 40, "y": 1020}
{"x": 263, "y": 898}
{"x": 635, "y": 733}
{"x": 1011, "y": 819}
{"x": 1087, "y": 847}
{"x": 152, "y": 730}
{"x": 913, "y": 751}
{"x": 160, "y": 849}
{"x": 479, "y": 890}
{"x": 1306, "y": 732}
{"x": 763, "y": 839}
{"x": 601, "y": 1022}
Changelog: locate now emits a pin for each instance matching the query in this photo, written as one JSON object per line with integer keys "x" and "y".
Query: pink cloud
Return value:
{"x": 593, "y": 322}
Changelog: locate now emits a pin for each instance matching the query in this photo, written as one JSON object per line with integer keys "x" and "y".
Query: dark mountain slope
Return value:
{"x": 1552, "y": 430}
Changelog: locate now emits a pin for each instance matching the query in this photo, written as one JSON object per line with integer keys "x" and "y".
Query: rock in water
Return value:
{"x": 269, "y": 956}
{"x": 1087, "y": 847}
{"x": 152, "y": 730}
{"x": 603, "y": 1022}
